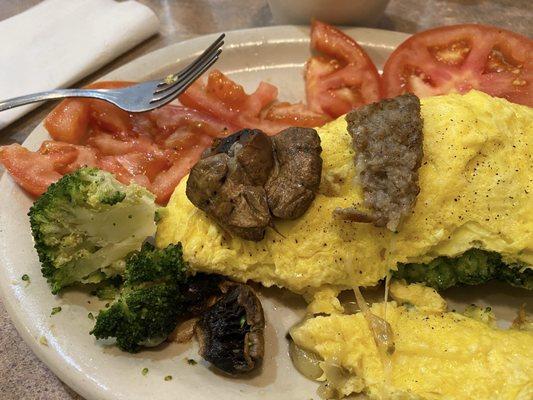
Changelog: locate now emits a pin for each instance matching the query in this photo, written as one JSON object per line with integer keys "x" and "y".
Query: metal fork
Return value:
{"x": 144, "y": 96}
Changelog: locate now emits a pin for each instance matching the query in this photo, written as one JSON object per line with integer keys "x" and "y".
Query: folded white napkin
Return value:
{"x": 58, "y": 42}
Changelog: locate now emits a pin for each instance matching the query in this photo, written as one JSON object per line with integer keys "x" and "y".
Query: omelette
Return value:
{"x": 437, "y": 355}
{"x": 475, "y": 192}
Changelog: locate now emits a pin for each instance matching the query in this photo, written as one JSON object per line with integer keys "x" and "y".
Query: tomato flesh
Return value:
{"x": 70, "y": 122}
{"x": 297, "y": 114}
{"x": 343, "y": 77}
{"x": 460, "y": 58}
{"x": 154, "y": 149}
{"x": 227, "y": 101}
{"x": 34, "y": 172}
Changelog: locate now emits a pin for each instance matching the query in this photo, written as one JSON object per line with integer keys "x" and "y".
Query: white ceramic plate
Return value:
{"x": 277, "y": 55}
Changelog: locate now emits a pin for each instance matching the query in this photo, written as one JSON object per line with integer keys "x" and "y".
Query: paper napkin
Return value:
{"x": 58, "y": 42}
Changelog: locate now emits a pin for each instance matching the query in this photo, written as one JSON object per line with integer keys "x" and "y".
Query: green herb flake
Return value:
{"x": 144, "y": 371}
{"x": 168, "y": 378}
{"x": 190, "y": 361}
{"x": 90, "y": 315}
{"x": 25, "y": 278}
{"x": 243, "y": 321}
{"x": 55, "y": 310}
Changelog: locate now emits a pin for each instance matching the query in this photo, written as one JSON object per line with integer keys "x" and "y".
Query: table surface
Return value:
{"x": 22, "y": 375}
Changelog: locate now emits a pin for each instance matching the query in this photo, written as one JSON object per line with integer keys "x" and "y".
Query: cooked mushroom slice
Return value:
{"x": 387, "y": 137}
{"x": 184, "y": 331}
{"x": 296, "y": 176}
{"x": 200, "y": 292}
{"x": 230, "y": 333}
{"x": 227, "y": 183}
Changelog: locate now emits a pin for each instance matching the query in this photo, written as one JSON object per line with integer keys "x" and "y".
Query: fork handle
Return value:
{"x": 52, "y": 94}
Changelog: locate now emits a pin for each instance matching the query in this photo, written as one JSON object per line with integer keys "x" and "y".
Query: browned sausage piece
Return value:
{"x": 387, "y": 137}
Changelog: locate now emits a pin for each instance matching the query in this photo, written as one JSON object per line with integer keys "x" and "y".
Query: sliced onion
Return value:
{"x": 336, "y": 378}
{"x": 336, "y": 375}
{"x": 305, "y": 362}
{"x": 381, "y": 329}
{"x": 382, "y": 332}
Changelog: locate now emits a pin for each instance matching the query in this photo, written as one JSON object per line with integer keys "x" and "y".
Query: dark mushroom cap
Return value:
{"x": 200, "y": 292}
{"x": 227, "y": 183}
{"x": 231, "y": 332}
{"x": 294, "y": 182}
{"x": 244, "y": 178}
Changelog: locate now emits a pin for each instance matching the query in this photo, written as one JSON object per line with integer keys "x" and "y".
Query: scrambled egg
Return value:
{"x": 437, "y": 356}
{"x": 416, "y": 294}
{"x": 476, "y": 191}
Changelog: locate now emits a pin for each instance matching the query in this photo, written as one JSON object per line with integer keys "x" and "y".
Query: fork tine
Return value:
{"x": 185, "y": 83}
{"x": 217, "y": 44}
{"x": 163, "y": 85}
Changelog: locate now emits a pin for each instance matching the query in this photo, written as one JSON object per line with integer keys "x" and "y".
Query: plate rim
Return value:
{"x": 77, "y": 380}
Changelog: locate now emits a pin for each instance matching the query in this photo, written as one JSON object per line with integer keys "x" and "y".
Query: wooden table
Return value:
{"x": 22, "y": 375}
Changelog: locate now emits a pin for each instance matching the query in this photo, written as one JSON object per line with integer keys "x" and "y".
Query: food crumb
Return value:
{"x": 191, "y": 361}
{"x": 170, "y": 79}
{"x": 26, "y": 278}
{"x": 43, "y": 341}
{"x": 144, "y": 371}
{"x": 55, "y": 310}
{"x": 90, "y": 315}
{"x": 168, "y": 378}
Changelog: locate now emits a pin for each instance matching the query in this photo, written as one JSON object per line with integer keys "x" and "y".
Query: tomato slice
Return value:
{"x": 164, "y": 183}
{"x": 223, "y": 88}
{"x": 109, "y": 145}
{"x": 154, "y": 149}
{"x": 295, "y": 114}
{"x": 68, "y": 157}
{"x": 227, "y": 101}
{"x": 34, "y": 172}
{"x": 170, "y": 117}
{"x": 69, "y": 121}
{"x": 458, "y": 58}
{"x": 343, "y": 78}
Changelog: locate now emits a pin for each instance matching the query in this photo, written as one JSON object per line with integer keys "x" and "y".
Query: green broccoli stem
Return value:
{"x": 473, "y": 267}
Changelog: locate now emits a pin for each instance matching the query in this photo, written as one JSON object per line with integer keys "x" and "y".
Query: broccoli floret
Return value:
{"x": 517, "y": 275}
{"x": 151, "y": 264}
{"x": 473, "y": 267}
{"x": 476, "y": 266}
{"x": 86, "y": 224}
{"x": 150, "y": 302}
{"x": 108, "y": 289}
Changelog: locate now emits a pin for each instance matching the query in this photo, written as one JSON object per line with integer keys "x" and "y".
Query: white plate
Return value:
{"x": 274, "y": 54}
